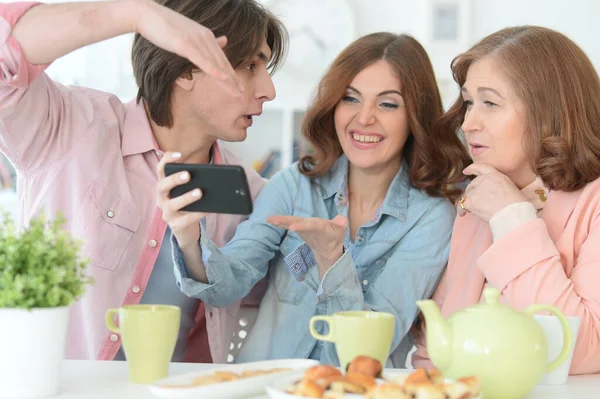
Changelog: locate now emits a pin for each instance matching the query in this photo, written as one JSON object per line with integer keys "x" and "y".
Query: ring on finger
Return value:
{"x": 462, "y": 202}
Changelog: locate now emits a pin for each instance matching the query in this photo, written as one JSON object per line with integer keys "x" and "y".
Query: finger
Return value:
{"x": 472, "y": 185}
{"x": 222, "y": 41}
{"x": 478, "y": 169}
{"x": 460, "y": 211}
{"x": 176, "y": 204}
{"x": 167, "y": 157}
{"x": 186, "y": 219}
{"x": 167, "y": 184}
{"x": 462, "y": 206}
{"x": 284, "y": 221}
{"x": 206, "y": 61}
{"x": 224, "y": 62}
{"x": 226, "y": 72}
{"x": 231, "y": 81}
{"x": 340, "y": 221}
{"x": 310, "y": 224}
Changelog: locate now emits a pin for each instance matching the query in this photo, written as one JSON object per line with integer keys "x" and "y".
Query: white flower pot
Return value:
{"x": 32, "y": 349}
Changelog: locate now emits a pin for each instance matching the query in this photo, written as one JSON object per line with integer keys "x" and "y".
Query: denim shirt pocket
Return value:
{"x": 290, "y": 289}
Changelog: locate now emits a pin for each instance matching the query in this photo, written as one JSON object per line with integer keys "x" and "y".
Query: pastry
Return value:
{"x": 435, "y": 376}
{"x": 426, "y": 392}
{"x": 365, "y": 381}
{"x": 227, "y": 375}
{"x": 457, "y": 391}
{"x": 309, "y": 388}
{"x": 365, "y": 365}
{"x": 327, "y": 382}
{"x": 418, "y": 377}
{"x": 346, "y": 386}
{"x": 387, "y": 391}
{"x": 206, "y": 380}
{"x": 322, "y": 374}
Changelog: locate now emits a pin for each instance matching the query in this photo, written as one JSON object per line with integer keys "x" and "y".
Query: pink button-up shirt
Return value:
{"x": 553, "y": 259}
{"x": 84, "y": 153}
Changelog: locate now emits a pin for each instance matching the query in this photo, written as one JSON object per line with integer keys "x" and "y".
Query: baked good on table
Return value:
{"x": 309, "y": 388}
{"x": 220, "y": 376}
{"x": 365, "y": 365}
{"x": 322, "y": 374}
{"x": 387, "y": 391}
{"x": 328, "y": 382}
{"x": 463, "y": 388}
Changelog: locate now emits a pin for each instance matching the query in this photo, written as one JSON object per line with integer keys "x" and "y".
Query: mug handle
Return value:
{"x": 567, "y": 334}
{"x": 313, "y": 331}
{"x": 110, "y": 320}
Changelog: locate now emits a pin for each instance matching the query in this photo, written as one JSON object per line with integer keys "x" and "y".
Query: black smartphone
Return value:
{"x": 224, "y": 188}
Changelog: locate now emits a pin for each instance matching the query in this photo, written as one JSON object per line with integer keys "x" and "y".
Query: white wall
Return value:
{"x": 578, "y": 19}
{"x": 106, "y": 66}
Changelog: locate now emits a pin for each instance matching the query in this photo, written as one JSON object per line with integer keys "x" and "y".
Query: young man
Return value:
{"x": 202, "y": 67}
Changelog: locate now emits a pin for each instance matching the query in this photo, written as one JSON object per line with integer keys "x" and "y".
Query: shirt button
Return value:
{"x": 114, "y": 337}
{"x": 159, "y": 154}
{"x": 360, "y": 238}
{"x": 110, "y": 214}
{"x": 365, "y": 282}
{"x": 152, "y": 243}
{"x": 135, "y": 289}
{"x": 297, "y": 266}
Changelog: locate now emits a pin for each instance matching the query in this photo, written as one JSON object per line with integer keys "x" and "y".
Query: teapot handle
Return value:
{"x": 567, "y": 334}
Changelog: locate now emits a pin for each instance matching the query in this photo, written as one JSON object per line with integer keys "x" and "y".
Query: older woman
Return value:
{"x": 529, "y": 220}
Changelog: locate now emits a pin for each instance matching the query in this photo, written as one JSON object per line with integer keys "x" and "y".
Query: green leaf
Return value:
{"x": 40, "y": 265}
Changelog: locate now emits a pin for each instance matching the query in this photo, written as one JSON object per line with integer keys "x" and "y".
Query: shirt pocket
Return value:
{"x": 106, "y": 224}
{"x": 289, "y": 289}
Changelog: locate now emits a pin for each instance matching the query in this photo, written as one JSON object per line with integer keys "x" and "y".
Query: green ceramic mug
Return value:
{"x": 357, "y": 333}
{"x": 148, "y": 335}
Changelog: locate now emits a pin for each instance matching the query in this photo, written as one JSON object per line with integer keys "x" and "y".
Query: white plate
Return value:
{"x": 276, "y": 390}
{"x": 244, "y": 387}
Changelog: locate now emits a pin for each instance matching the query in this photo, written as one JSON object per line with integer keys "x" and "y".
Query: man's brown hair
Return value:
{"x": 432, "y": 155}
{"x": 560, "y": 89}
{"x": 246, "y": 23}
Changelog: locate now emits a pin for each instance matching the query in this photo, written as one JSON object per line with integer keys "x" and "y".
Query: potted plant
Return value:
{"x": 41, "y": 275}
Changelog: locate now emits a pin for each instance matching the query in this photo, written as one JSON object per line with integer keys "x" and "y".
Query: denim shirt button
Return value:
{"x": 360, "y": 238}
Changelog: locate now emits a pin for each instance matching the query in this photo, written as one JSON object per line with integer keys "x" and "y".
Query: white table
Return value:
{"x": 108, "y": 380}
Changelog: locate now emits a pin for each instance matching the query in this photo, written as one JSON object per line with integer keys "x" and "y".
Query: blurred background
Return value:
{"x": 319, "y": 29}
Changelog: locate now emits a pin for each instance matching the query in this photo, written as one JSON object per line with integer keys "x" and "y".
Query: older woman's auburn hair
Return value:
{"x": 435, "y": 157}
{"x": 560, "y": 89}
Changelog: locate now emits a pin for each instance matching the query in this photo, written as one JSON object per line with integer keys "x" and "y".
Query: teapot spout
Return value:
{"x": 439, "y": 335}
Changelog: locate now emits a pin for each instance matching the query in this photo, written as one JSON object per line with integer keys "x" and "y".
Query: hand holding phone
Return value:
{"x": 224, "y": 188}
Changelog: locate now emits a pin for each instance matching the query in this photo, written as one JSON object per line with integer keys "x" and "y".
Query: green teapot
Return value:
{"x": 505, "y": 348}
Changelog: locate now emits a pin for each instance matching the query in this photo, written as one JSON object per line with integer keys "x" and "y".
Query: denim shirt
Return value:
{"x": 396, "y": 259}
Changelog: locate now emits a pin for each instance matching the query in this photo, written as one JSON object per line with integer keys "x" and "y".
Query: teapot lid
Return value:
{"x": 491, "y": 302}
{"x": 491, "y": 296}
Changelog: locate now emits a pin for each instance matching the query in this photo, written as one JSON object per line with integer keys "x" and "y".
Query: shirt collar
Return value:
{"x": 137, "y": 133}
{"x": 335, "y": 182}
{"x": 138, "y": 137}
